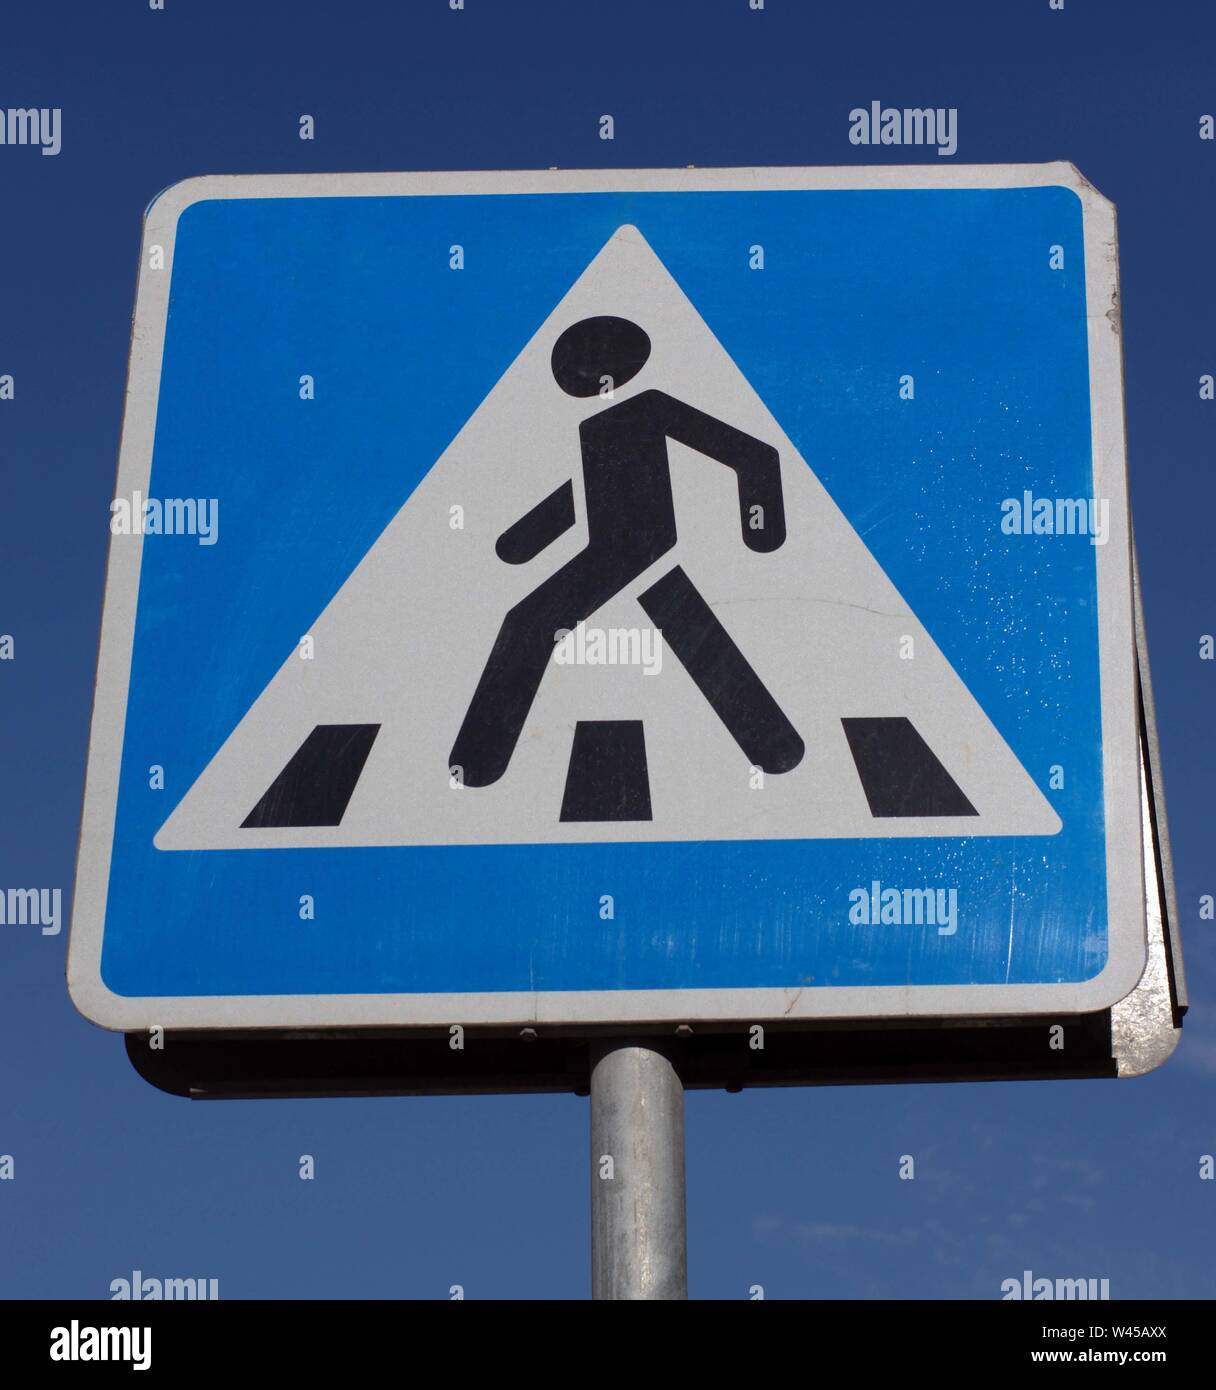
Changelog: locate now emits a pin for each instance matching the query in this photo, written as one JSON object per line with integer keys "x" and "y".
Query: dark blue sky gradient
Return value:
{"x": 796, "y": 1190}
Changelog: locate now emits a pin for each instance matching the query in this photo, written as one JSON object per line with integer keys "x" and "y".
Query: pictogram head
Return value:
{"x": 592, "y": 349}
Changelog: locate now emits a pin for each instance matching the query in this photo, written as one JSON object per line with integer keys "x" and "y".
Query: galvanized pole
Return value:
{"x": 638, "y": 1225}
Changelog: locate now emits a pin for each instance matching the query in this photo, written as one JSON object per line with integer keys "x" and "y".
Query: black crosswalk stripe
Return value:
{"x": 316, "y": 786}
{"x": 607, "y": 777}
{"x": 900, "y": 774}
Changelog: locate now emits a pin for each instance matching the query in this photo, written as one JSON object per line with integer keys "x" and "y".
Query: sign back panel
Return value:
{"x": 617, "y": 597}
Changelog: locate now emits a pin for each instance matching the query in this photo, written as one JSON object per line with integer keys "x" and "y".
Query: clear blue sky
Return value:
{"x": 796, "y": 1190}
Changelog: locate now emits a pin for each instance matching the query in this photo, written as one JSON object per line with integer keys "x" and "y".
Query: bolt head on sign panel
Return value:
{"x": 617, "y": 597}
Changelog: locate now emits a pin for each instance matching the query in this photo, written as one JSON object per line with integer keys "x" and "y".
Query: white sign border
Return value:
{"x": 1120, "y": 742}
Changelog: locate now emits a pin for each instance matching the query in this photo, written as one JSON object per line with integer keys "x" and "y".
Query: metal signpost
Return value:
{"x": 623, "y": 631}
{"x": 639, "y": 1232}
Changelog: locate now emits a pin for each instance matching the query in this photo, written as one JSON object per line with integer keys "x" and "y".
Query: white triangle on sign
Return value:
{"x": 399, "y": 650}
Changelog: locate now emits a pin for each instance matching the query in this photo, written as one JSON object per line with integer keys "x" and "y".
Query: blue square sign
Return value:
{"x": 620, "y": 596}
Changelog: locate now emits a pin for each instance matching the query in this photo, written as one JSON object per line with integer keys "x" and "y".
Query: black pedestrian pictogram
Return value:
{"x": 630, "y": 525}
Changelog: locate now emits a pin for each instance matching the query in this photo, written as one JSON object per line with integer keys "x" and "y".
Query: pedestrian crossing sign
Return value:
{"x": 617, "y": 597}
